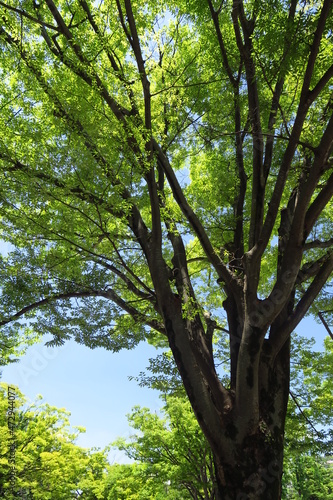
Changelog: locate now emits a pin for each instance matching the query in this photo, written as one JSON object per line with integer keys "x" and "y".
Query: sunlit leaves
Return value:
{"x": 48, "y": 464}
{"x": 172, "y": 448}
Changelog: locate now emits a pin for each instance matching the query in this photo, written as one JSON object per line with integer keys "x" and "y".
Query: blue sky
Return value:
{"x": 93, "y": 384}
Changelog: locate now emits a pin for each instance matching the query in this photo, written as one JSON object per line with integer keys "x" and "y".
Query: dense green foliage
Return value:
{"x": 47, "y": 462}
{"x": 309, "y": 426}
{"x": 133, "y": 482}
{"x": 308, "y": 477}
{"x": 173, "y": 448}
{"x": 73, "y": 160}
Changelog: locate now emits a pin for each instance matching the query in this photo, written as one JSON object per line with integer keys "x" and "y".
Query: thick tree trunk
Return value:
{"x": 247, "y": 465}
{"x": 257, "y": 473}
{"x": 244, "y": 423}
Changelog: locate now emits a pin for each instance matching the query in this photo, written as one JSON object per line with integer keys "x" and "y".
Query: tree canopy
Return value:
{"x": 166, "y": 171}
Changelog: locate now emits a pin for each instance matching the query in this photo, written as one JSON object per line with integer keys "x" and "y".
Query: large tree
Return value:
{"x": 166, "y": 165}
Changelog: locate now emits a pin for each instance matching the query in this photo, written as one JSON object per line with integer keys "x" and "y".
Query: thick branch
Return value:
{"x": 271, "y": 122}
{"x": 310, "y": 269}
{"x": 23, "y": 13}
{"x": 135, "y": 43}
{"x": 277, "y": 92}
{"x": 324, "y": 322}
{"x": 136, "y": 315}
{"x": 304, "y": 105}
{"x": 135, "y": 220}
{"x": 76, "y": 191}
{"x": 240, "y": 198}
{"x": 116, "y": 65}
{"x": 90, "y": 77}
{"x": 96, "y": 29}
{"x": 226, "y": 65}
{"x": 40, "y": 303}
{"x": 303, "y": 306}
{"x": 148, "y": 296}
{"x": 122, "y": 22}
{"x": 324, "y": 13}
{"x": 313, "y": 94}
{"x": 107, "y": 294}
{"x": 258, "y": 187}
{"x": 318, "y": 244}
{"x": 298, "y": 232}
{"x": 223, "y": 273}
{"x": 317, "y": 206}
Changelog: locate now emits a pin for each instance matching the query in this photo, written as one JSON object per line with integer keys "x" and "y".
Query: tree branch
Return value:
{"x": 277, "y": 92}
{"x": 318, "y": 244}
{"x": 40, "y": 303}
{"x": 122, "y": 22}
{"x": 308, "y": 183}
{"x": 240, "y": 197}
{"x": 76, "y": 191}
{"x": 324, "y": 322}
{"x": 317, "y": 206}
{"x": 313, "y": 94}
{"x": 304, "y": 105}
{"x": 258, "y": 187}
{"x": 116, "y": 65}
{"x": 215, "y": 18}
{"x": 119, "y": 111}
{"x": 310, "y": 269}
{"x": 148, "y": 295}
{"x": 135, "y": 220}
{"x": 106, "y": 294}
{"x": 324, "y": 13}
{"x": 223, "y": 272}
{"x": 96, "y": 29}
{"x": 136, "y": 315}
{"x": 280, "y": 337}
{"x": 29, "y": 16}
{"x": 308, "y": 421}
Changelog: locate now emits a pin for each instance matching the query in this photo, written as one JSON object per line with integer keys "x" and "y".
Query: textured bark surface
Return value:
{"x": 247, "y": 445}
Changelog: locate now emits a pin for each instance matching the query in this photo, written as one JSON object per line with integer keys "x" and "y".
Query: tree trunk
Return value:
{"x": 243, "y": 423}
{"x": 248, "y": 464}
{"x": 257, "y": 473}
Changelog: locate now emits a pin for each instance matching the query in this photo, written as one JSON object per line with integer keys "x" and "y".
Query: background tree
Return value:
{"x": 48, "y": 463}
{"x": 133, "y": 482}
{"x": 310, "y": 417}
{"x": 173, "y": 449}
{"x": 308, "y": 477}
{"x": 309, "y": 424}
{"x": 164, "y": 165}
